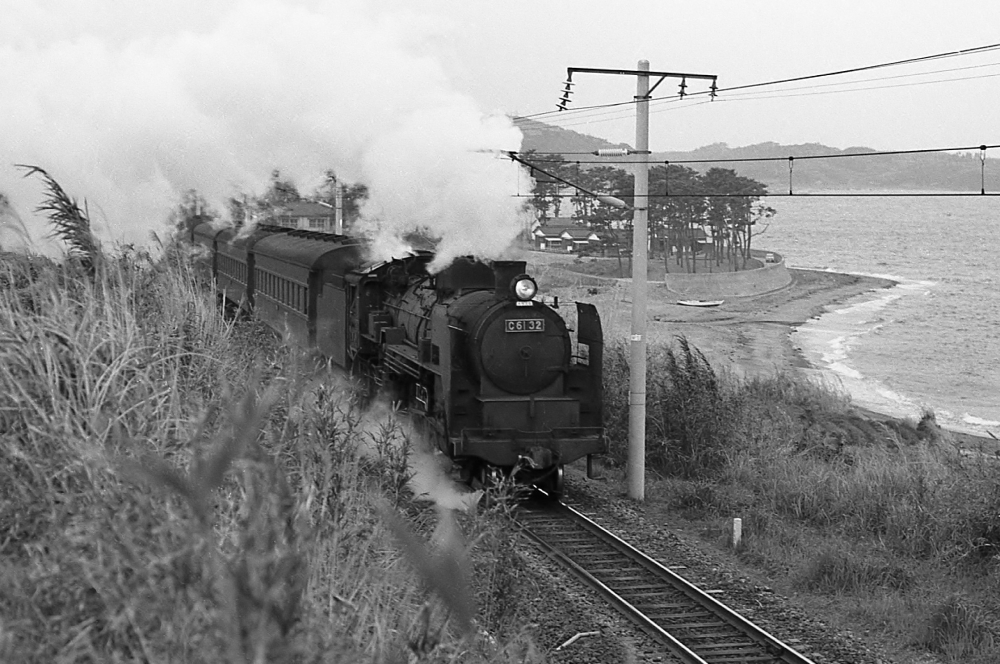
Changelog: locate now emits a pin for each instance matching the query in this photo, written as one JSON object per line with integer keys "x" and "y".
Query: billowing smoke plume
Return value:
{"x": 12, "y": 230}
{"x": 131, "y": 104}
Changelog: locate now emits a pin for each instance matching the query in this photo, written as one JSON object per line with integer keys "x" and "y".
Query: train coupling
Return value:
{"x": 536, "y": 458}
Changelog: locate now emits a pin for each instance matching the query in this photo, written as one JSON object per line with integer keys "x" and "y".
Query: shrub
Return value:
{"x": 689, "y": 413}
{"x": 961, "y": 630}
{"x": 842, "y": 570}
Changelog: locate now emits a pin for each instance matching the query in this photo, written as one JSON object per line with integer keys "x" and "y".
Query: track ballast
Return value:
{"x": 693, "y": 626}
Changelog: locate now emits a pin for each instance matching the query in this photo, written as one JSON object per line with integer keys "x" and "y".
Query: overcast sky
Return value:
{"x": 130, "y": 103}
{"x": 516, "y": 59}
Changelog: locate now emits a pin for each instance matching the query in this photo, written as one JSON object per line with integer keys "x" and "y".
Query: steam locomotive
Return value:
{"x": 491, "y": 372}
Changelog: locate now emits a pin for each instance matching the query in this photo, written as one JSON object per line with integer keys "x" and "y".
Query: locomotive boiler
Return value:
{"x": 492, "y": 373}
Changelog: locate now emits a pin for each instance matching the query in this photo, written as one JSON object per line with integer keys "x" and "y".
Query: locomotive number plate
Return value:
{"x": 526, "y": 325}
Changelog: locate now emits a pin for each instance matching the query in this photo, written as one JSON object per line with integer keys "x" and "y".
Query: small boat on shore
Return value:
{"x": 700, "y": 303}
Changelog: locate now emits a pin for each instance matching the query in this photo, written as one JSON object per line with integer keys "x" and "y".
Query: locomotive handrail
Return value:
{"x": 397, "y": 307}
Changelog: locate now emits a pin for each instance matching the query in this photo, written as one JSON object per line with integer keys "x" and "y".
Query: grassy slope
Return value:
{"x": 889, "y": 521}
{"x": 174, "y": 487}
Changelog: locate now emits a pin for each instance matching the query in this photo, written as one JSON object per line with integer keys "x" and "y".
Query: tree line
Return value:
{"x": 697, "y": 221}
{"x": 281, "y": 191}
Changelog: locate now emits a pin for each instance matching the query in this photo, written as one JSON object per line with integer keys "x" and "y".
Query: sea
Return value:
{"x": 930, "y": 343}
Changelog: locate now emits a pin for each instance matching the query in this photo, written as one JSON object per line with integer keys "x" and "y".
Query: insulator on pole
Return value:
{"x": 612, "y": 152}
{"x": 564, "y": 100}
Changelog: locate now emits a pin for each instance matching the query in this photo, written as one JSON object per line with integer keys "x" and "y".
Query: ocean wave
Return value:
{"x": 908, "y": 282}
{"x": 826, "y": 342}
{"x": 978, "y": 421}
{"x": 940, "y": 342}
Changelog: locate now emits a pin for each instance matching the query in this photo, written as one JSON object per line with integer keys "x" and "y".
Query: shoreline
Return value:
{"x": 744, "y": 336}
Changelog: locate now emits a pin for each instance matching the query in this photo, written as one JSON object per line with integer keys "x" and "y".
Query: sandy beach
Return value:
{"x": 747, "y": 336}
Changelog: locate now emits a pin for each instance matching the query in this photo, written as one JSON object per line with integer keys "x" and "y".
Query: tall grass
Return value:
{"x": 689, "y": 409}
{"x": 176, "y": 487}
{"x": 70, "y": 222}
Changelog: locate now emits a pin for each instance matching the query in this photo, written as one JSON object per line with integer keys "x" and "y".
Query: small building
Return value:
{"x": 305, "y": 215}
{"x": 564, "y": 237}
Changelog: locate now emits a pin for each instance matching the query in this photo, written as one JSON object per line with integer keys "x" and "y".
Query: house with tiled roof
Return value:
{"x": 306, "y": 215}
{"x": 558, "y": 235}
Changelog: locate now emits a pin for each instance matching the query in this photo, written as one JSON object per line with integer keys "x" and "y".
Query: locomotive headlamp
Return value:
{"x": 524, "y": 287}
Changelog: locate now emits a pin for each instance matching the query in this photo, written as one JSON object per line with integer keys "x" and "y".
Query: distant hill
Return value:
{"x": 933, "y": 171}
{"x": 546, "y": 138}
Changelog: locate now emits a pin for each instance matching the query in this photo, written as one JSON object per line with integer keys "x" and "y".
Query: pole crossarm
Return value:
{"x": 639, "y": 72}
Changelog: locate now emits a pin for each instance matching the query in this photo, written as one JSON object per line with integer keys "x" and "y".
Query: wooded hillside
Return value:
{"x": 934, "y": 171}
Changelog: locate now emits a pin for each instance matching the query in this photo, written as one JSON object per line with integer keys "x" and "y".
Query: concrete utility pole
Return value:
{"x": 636, "y": 466}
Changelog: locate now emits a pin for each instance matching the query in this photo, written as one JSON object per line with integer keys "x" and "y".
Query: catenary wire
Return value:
{"x": 841, "y": 72}
{"x": 756, "y": 192}
{"x": 937, "y": 56}
{"x": 671, "y": 103}
{"x": 882, "y": 153}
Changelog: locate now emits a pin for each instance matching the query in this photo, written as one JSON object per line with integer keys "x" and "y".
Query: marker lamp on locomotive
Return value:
{"x": 524, "y": 287}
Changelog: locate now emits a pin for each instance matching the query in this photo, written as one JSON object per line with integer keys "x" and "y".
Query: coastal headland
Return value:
{"x": 745, "y": 336}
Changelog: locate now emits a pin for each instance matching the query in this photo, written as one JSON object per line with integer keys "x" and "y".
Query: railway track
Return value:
{"x": 692, "y": 626}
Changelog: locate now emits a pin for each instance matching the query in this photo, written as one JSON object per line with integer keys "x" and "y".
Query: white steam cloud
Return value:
{"x": 131, "y": 104}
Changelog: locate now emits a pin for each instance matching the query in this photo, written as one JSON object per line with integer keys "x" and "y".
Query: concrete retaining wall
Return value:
{"x": 718, "y": 285}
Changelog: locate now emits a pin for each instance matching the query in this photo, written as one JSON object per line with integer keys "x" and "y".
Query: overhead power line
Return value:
{"x": 578, "y": 112}
{"x": 674, "y": 103}
{"x": 813, "y": 194}
{"x": 838, "y": 155}
{"x": 855, "y": 70}
{"x": 790, "y": 160}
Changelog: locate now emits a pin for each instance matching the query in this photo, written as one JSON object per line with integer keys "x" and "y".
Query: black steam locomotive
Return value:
{"x": 490, "y": 371}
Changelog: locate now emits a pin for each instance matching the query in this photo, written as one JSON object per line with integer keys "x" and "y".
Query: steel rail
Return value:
{"x": 769, "y": 648}
{"x": 634, "y": 614}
